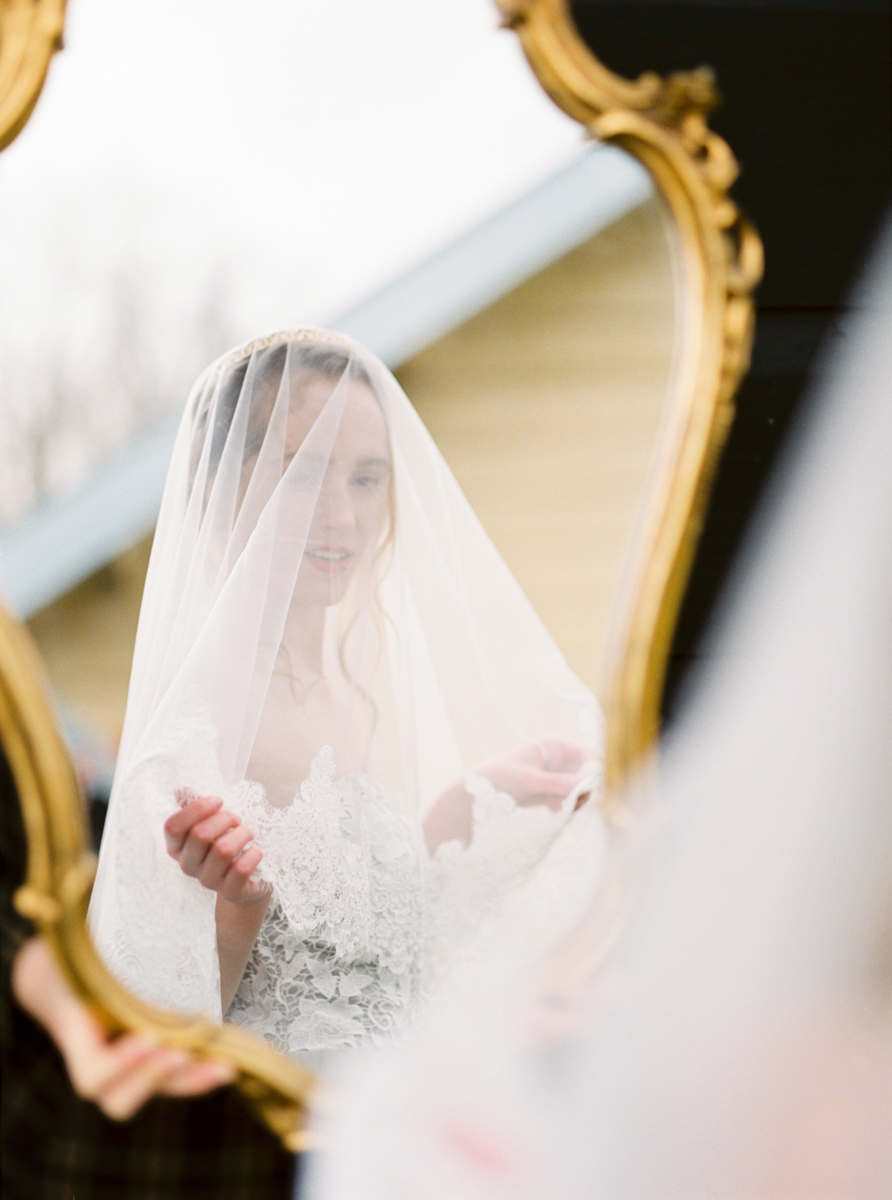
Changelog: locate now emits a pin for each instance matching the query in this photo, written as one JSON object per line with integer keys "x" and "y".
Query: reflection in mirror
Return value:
{"x": 548, "y": 407}
{"x": 423, "y": 663}
{"x": 348, "y": 734}
{"x": 412, "y": 753}
{"x": 146, "y": 230}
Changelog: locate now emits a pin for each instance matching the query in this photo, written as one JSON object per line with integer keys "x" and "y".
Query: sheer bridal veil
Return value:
{"x": 321, "y": 603}
{"x": 738, "y": 1045}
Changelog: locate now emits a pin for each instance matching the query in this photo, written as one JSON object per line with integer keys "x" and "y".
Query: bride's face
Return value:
{"x": 354, "y": 499}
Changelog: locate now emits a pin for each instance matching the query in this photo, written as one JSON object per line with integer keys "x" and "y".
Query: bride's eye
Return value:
{"x": 368, "y": 481}
{"x": 371, "y": 474}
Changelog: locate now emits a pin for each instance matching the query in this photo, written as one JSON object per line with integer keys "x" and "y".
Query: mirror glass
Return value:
{"x": 548, "y": 407}
{"x": 531, "y": 322}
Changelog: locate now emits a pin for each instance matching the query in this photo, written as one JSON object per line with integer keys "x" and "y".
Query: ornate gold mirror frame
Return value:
{"x": 662, "y": 123}
{"x": 30, "y": 34}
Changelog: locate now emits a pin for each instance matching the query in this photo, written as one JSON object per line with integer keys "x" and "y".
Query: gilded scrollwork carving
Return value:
{"x": 30, "y": 34}
{"x": 60, "y": 865}
{"x": 55, "y": 896}
{"x": 663, "y": 123}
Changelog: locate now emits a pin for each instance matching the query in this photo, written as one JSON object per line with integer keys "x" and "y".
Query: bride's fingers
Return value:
{"x": 202, "y": 838}
{"x": 177, "y": 827}
{"x": 560, "y": 754}
{"x": 236, "y": 884}
{"x": 224, "y": 851}
{"x": 549, "y": 787}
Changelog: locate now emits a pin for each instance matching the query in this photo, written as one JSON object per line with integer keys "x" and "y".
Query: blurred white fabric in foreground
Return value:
{"x": 742, "y": 1046}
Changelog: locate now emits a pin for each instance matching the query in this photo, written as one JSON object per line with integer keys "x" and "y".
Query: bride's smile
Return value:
{"x": 354, "y": 493}
{"x": 329, "y": 560}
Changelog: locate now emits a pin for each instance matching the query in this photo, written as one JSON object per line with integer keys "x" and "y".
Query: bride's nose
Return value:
{"x": 336, "y": 505}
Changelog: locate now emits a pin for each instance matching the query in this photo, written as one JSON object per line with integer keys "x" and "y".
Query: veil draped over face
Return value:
{"x": 738, "y": 1043}
{"x": 326, "y": 633}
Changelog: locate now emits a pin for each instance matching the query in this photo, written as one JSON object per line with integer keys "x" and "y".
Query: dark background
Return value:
{"x": 805, "y": 87}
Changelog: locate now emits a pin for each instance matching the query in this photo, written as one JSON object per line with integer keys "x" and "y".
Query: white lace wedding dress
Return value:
{"x": 310, "y": 527}
{"x": 363, "y": 922}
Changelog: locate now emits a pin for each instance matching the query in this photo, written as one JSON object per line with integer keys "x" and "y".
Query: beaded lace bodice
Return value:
{"x": 336, "y": 962}
{"x": 362, "y": 921}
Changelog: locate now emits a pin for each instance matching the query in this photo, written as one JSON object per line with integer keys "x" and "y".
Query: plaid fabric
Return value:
{"x": 58, "y": 1147}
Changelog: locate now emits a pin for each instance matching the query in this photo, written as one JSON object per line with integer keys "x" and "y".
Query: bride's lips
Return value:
{"x": 330, "y": 560}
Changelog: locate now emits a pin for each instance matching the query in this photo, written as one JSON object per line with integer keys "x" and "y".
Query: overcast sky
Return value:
{"x": 311, "y": 147}
{"x": 198, "y": 172}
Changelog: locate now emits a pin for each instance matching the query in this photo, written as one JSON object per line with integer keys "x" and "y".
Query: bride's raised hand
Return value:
{"x": 543, "y": 772}
{"x": 213, "y": 846}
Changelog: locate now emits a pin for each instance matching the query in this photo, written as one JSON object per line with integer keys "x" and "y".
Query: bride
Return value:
{"x": 348, "y": 735}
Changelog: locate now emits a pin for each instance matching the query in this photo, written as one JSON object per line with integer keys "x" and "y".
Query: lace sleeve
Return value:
{"x": 158, "y": 932}
{"x": 157, "y": 927}
{"x": 469, "y": 884}
{"x": 335, "y": 963}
